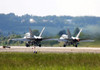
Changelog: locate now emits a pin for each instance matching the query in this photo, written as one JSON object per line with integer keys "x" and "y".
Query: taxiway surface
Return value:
{"x": 51, "y": 49}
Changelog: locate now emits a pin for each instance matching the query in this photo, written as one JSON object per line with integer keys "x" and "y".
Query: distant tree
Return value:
{"x": 76, "y": 31}
{"x": 61, "y": 32}
{"x": 84, "y": 36}
{"x": 1, "y": 33}
{"x": 35, "y": 32}
{"x": 97, "y": 36}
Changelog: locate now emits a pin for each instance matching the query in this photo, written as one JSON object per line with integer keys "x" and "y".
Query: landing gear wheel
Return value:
{"x": 64, "y": 45}
{"x": 76, "y": 45}
{"x": 27, "y": 45}
{"x": 39, "y": 45}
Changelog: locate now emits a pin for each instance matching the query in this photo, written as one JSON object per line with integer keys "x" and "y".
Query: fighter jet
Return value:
{"x": 70, "y": 40}
{"x": 32, "y": 39}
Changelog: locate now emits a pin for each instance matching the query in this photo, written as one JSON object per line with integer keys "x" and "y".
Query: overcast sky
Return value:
{"x": 51, "y": 7}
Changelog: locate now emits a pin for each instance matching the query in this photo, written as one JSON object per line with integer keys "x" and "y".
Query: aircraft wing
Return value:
{"x": 23, "y": 39}
{"x": 49, "y": 39}
{"x": 88, "y": 40}
{"x": 20, "y": 39}
{"x": 63, "y": 40}
{"x": 81, "y": 40}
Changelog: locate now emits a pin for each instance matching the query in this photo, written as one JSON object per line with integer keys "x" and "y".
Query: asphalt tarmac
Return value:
{"x": 51, "y": 49}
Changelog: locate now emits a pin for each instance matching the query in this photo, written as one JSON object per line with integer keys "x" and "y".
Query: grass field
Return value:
{"x": 49, "y": 61}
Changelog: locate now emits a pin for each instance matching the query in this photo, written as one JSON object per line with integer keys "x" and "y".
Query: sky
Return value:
{"x": 51, "y": 7}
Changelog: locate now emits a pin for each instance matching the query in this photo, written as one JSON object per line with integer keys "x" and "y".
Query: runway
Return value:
{"x": 51, "y": 49}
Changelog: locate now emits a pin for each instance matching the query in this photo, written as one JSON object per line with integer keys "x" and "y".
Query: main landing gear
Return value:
{"x": 76, "y": 45}
{"x": 39, "y": 45}
{"x": 27, "y": 45}
{"x": 64, "y": 45}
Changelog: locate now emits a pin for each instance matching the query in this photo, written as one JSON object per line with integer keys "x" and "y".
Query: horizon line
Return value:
{"x": 49, "y": 15}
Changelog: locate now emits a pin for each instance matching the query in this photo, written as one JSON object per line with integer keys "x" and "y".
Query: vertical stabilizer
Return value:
{"x": 31, "y": 34}
{"x": 69, "y": 34}
{"x": 41, "y": 31}
{"x": 78, "y": 33}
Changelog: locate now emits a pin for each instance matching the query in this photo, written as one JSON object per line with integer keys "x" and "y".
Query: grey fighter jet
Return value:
{"x": 70, "y": 40}
{"x": 32, "y": 39}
